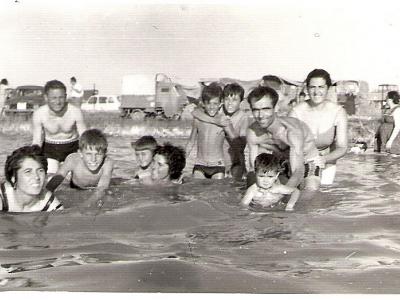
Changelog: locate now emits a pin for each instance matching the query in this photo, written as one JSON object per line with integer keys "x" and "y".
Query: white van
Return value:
{"x": 101, "y": 103}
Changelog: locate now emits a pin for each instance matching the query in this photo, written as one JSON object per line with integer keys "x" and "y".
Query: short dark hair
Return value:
{"x": 146, "y": 142}
{"x": 302, "y": 94}
{"x": 263, "y": 91}
{"x": 176, "y": 159}
{"x": 394, "y": 96}
{"x": 213, "y": 90}
{"x": 265, "y": 162}
{"x": 272, "y": 81}
{"x": 93, "y": 138}
{"x": 319, "y": 73}
{"x": 14, "y": 161}
{"x": 73, "y": 78}
{"x": 4, "y": 81}
{"x": 54, "y": 85}
{"x": 233, "y": 89}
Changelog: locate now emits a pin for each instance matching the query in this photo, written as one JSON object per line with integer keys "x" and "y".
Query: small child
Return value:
{"x": 169, "y": 161}
{"x": 90, "y": 167}
{"x": 268, "y": 190}
{"x": 210, "y": 137}
{"x": 144, "y": 151}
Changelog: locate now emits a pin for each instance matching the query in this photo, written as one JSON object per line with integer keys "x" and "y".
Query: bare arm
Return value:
{"x": 249, "y": 195}
{"x": 396, "y": 129}
{"x": 37, "y": 129}
{"x": 199, "y": 114}
{"x": 62, "y": 172}
{"x": 105, "y": 179}
{"x": 252, "y": 143}
{"x": 296, "y": 157}
{"x": 341, "y": 137}
{"x": 192, "y": 138}
{"x": 293, "y": 199}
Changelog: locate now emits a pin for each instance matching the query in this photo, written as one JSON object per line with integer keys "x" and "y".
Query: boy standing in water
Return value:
{"x": 210, "y": 137}
{"x": 144, "y": 151}
{"x": 268, "y": 190}
{"x": 90, "y": 167}
{"x": 232, "y": 96}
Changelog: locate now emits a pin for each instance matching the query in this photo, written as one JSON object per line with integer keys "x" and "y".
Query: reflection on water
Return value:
{"x": 195, "y": 237}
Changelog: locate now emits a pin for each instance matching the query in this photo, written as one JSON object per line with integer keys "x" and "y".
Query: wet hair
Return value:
{"x": 320, "y": 73}
{"x": 73, "y": 79}
{"x": 266, "y": 162}
{"x": 54, "y": 85}
{"x": 394, "y": 96}
{"x": 175, "y": 157}
{"x": 93, "y": 138}
{"x": 260, "y": 92}
{"x": 146, "y": 142}
{"x": 233, "y": 89}
{"x": 14, "y": 161}
{"x": 211, "y": 91}
{"x": 4, "y": 81}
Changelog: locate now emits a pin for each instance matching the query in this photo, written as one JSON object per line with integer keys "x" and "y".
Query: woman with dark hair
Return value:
{"x": 169, "y": 162}
{"x": 387, "y": 136}
{"x": 327, "y": 121}
{"x": 24, "y": 189}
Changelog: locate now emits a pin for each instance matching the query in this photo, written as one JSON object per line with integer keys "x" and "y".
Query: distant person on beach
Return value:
{"x": 327, "y": 121}
{"x": 76, "y": 93}
{"x": 210, "y": 137}
{"x": 267, "y": 190}
{"x": 231, "y": 114}
{"x": 57, "y": 125}
{"x": 387, "y": 136}
{"x": 90, "y": 167}
{"x": 3, "y": 87}
{"x": 144, "y": 149}
{"x": 24, "y": 189}
{"x": 169, "y": 162}
{"x": 288, "y": 138}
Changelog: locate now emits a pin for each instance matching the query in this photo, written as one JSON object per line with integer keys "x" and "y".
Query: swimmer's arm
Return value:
{"x": 62, "y": 172}
{"x": 293, "y": 199}
{"x": 192, "y": 138}
{"x": 341, "y": 141}
{"x": 252, "y": 143}
{"x": 80, "y": 123}
{"x": 396, "y": 129}
{"x": 37, "y": 130}
{"x": 249, "y": 195}
{"x": 56, "y": 205}
{"x": 105, "y": 179}
{"x": 296, "y": 156}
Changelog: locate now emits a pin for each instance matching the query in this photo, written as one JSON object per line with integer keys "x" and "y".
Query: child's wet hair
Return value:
{"x": 93, "y": 138}
{"x": 175, "y": 157}
{"x": 233, "y": 89}
{"x": 211, "y": 91}
{"x": 146, "y": 142}
{"x": 266, "y": 162}
{"x": 260, "y": 92}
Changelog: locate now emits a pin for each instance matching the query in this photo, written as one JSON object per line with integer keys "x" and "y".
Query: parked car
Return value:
{"x": 24, "y": 100}
{"x": 101, "y": 103}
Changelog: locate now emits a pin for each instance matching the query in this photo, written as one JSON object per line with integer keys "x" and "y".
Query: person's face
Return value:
{"x": 211, "y": 107}
{"x": 31, "y": 177}
{"x": 317, "y": 89}
{"x": 92, "y": 158}
{"x": 265, "y": 180}
{"x": 56, "y": 99}
{"x": 144, "y": 157}
{"x": 263, "y": 111}
{"x": 160, "y": 169}
{"x": 232, "y": 103}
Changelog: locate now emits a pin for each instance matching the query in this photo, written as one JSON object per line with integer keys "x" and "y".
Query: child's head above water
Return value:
{"x": 232, "y": 95}
{"x": 169, "y": 162}
{"x": 211, "y": 98}
{"x": 267, "y": 168}
{"x": 144, "y": 150}
{"x": 93, "y": 148}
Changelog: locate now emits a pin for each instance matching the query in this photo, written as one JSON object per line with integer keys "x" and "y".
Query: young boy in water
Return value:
{"x": 210, "y": 137}
{"x": 268, "y": 190}
{"x": 231, "y": 113}
{"x": 90, "y": 167}
{"x": 144, "y": 151}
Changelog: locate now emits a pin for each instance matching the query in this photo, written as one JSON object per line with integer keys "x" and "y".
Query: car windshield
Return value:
{"x": 30, "y": 93}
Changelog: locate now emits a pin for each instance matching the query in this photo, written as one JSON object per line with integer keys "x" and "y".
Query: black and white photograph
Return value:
{"x": 202, "y": 147}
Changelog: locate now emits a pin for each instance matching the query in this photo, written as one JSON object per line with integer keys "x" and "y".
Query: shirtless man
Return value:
{"x": 57, "y": 125}
{"x": 284, "y": 136}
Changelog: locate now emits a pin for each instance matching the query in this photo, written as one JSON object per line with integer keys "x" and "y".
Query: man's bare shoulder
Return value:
{"x": 301, "y": 107}
{"x": 73, "y": 158}
{"x": 73, "y": 110}
{"x": 42, "y": 111}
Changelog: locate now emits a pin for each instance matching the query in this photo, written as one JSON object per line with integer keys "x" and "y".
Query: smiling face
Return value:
{"x": 265, "y": 180}
{"x": 31, "y": 177}
{"x": 317, "y": 89}
{"x": 211, "y": 107}
{"x": 92, "y": 158}
{"x": 144, "y": 157}
{"x": 263, "y": 111}
{"x": 160, "y": 169}
{"x": 56, "y": 100}
{"x": 232, "y": 103}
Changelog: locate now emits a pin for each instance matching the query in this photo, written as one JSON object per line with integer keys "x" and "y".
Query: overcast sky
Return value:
{"x": 101, "y": 41}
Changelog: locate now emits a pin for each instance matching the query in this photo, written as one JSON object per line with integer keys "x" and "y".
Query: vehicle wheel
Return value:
{"x": 138, "y": 115}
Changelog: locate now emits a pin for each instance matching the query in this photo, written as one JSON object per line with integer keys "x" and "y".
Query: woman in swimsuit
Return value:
{"x": 327, "y": 121}
{"x": 24, "y": 189}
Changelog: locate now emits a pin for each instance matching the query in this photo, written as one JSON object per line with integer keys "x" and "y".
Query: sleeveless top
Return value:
{"x": 5, "y": 206}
